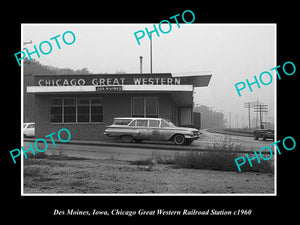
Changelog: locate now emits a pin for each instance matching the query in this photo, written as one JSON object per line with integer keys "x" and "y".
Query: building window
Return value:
{"x": 56, "y": 110}
{"x": 69, "y": 110}
{"x": 83, "y": 110}
{"x": 96, "y": 110}
{"x": 138, "y": 107}
{"x": 76, "y": 110}
{"x": 144, "y": 107}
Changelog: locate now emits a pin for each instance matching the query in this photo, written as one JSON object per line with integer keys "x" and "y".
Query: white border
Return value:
{"x": 177, "y": 194}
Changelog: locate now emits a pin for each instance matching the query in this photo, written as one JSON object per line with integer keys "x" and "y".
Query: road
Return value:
{"x": 138, "y": 152}
{"x": 247, "y": 143}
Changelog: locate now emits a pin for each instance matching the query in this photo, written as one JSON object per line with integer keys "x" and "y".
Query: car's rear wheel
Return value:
{"x": 179, "y": 139}
{"x": 127, "y": 138}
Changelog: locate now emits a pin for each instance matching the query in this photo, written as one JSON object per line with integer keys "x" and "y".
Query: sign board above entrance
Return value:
{"x": 106, "y": 80}
{"x": 120, "y": 79}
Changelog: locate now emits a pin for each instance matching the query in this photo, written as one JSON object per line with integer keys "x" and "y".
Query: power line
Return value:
{"x": 261, "y": 108}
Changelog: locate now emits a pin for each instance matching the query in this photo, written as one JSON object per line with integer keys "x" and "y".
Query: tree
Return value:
{"x": 34, "y": 67}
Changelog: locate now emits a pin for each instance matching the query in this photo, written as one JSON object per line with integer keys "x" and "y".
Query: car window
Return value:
{"x": 132, "y": 124}
{"x": 30, "y": 126}
{"x": 142, "y": 123}
{"x": 154, "y": 123}
{"x": 164, "y": 124}
{"x": 122, "y": 121}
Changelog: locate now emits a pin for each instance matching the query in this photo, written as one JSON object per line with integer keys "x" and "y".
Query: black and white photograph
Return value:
{"x": 149, "y": 109}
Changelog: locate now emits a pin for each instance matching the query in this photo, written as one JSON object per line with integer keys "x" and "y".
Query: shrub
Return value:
{"x": 220, "y": 156}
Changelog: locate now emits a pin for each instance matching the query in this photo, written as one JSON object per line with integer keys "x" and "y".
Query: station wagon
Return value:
{"x": 131, "y": 129}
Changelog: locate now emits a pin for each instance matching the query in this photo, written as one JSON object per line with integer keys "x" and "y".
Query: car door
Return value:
{"x": 154, "y": 130}
{"x": 165, "y": 131}
{"x": 141, "y": 127}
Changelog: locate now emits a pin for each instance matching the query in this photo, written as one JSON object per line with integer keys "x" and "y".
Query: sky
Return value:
{"x": 232, "y": 53}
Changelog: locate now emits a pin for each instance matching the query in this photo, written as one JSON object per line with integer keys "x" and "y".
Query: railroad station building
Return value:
{"x": 86, "y": 104}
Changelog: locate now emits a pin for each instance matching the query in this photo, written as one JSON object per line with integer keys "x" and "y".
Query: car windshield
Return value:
{"x": 167, "y": 123}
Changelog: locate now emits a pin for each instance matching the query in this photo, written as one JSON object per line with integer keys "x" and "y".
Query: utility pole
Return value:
{"x": 260, "y": 108}
{"x": 256, "y": 118}
{"x": 249, "y": 105}
{"x": 141, "y": 64}
{"x": 150, "y": 52}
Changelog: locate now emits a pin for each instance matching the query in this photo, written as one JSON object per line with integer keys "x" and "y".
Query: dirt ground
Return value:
{"x": 80, "y": 176}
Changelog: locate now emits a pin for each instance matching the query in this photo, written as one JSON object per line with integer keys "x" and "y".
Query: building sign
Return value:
{"x": 73, "y": 80}
{"x": 109, "y": 88}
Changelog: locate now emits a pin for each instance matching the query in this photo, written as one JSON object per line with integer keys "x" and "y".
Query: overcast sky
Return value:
{"x": 231, "y": 52}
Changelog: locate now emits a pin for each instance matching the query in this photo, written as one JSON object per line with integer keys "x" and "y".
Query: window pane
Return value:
{"x": 69, "y": 101}
{"x": 56, "y": 102}
{"x": 69, "y": 114}
{"x": 83, "y": 118}
{"x": 151, "y": 106}
{"x": 97, "y": 110}
{"x": 83, "y": 110}
{"x": 56, "y": 110}
{"x": 70, "y": 110}
{"x": 154, "y": 123}
{"x": 55, "y": 118}
{"x": 97, "y": 101}
{"x": 69, "y": 118}
{"x": 132, "y": 124}
{"x": 138, "y": 107}
{"x": 142, "y": 123}
{"x": 164, "y": 124}
{"x": 83, "y": 101}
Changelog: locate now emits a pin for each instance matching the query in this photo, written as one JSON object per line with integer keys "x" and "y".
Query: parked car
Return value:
{"x": 263, "y": 133}
{"x": 138, "y": 129}
{"x": 28, "y": 129}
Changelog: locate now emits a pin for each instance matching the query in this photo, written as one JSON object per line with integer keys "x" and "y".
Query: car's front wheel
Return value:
{"x": 179, "y": 139}
{"x": 127, "y": 138}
